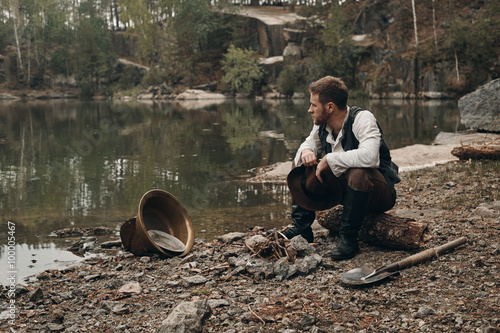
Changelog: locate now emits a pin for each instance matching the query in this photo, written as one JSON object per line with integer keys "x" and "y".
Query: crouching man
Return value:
{"x": 355, "y": 168}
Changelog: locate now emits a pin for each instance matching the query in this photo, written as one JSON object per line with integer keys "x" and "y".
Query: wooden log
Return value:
{"x": 476, "y": 152}
{"x": 382, "y": 230}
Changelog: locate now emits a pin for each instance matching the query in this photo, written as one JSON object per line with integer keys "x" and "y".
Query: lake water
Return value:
{"x": 87, "y": 164}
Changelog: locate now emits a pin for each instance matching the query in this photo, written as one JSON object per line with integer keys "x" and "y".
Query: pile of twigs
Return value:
{"x": 275, "y": 247}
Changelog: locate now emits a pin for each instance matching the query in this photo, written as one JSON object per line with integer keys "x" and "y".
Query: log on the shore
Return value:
{"x": 476, "y": 152}
{"x": 382, "y": 230}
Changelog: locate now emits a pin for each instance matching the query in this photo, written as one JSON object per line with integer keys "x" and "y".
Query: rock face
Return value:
{"x": 194, "y": 94}
{"x": 388, "y": 66}
{"x": 481, "y": 109}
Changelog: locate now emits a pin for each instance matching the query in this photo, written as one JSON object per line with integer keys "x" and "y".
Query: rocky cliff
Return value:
{"x": 389, "y": 61}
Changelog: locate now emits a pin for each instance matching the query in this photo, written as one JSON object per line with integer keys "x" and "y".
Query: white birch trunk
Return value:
{"x": 434, "y": 24}
{"x": 415, "y": 22}
{"x": 16, "y": 21}
{"x": 28, "y": 57}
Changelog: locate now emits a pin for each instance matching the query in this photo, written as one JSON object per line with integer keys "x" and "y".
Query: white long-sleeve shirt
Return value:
{"x": 365, "y": 130}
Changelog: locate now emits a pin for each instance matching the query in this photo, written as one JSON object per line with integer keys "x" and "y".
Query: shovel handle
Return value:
{"x": 424, "y": 255}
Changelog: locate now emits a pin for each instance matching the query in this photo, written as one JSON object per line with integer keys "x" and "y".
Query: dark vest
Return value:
{"x": 349, "y": 142}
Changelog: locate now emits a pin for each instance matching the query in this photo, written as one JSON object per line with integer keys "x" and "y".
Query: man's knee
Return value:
{"x": 359, "y": 179}
{"x": 371, "y": 180}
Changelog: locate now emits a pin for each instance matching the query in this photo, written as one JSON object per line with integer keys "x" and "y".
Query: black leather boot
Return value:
{"x": 353, "y": 214}
{"x": 302, "y": 220}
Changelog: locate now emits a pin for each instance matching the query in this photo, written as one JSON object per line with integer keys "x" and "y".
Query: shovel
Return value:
{"x": 366, "y": 274}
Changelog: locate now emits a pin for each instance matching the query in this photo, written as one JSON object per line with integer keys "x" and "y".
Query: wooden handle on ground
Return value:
{"x": 424, "y": 255}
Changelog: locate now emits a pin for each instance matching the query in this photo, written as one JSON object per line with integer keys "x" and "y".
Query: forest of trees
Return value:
{"x": 74, "y": 37}
{"x": 186, "y": 41}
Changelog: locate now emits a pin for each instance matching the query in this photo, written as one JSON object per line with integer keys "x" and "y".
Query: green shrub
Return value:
{"x": 129, "y": 78}
{"x": 242, "y": 72}
{"x": 154, "y": 77}
{"x": 287, "y": 80}
{"x": 473, "y": 44}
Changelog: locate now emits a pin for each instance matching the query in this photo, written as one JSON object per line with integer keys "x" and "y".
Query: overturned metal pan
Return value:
{"x": 365, "y": 274}
{"x": 167, "y": 242}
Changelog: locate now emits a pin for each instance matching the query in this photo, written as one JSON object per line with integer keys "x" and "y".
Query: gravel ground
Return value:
{"x": 221, "y": 287}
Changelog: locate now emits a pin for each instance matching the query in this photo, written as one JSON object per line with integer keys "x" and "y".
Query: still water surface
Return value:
{"x": 87, "y": 164}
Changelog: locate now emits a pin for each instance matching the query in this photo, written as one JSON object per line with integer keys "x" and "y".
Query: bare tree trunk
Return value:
{"x": 76, "y": 15}
{"x": 16, "y": 22}
{"x": 28, "y": 57}
{"x": 415, "y": 21}
{"x": 434, "y": 24}
{"x": 117, "y": 16}
{"x": 111, "y": 16}
{"x": 456, "y": 66}
{"x": 415, "y": 68}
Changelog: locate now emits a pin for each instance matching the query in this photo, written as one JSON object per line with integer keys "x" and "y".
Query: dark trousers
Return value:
{"x": 361, "y": 190}
{"x": 382, "y": 197}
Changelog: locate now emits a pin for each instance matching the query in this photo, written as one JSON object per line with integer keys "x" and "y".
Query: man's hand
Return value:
{"x": 323, "y": 165}
{"x": 308, "y": 157}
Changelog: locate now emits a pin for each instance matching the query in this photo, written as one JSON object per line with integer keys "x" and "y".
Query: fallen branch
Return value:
{"x": 226, "y": 265}
{"x": 487, "y": 151}
{"x": 256, "y": 315}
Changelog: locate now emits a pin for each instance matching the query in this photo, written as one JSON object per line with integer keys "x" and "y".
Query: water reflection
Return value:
{"x": 84, "y": 164}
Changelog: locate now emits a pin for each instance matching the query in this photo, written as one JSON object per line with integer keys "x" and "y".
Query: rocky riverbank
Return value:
{"x": 221, "y": 286}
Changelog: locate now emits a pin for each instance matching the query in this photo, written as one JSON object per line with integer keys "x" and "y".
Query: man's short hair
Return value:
{"x": 330, "y": 89}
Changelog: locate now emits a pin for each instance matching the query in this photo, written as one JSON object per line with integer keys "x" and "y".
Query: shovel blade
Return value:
{"x": 364, "y": 275}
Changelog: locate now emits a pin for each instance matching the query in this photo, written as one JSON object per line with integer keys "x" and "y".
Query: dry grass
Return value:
{"x": 465, "y": 184}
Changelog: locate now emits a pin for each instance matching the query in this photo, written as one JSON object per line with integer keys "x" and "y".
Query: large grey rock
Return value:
{"x": 195, "y": 280}
{"x": 299, "y": 244}
{"x": 308, "y": 264}
{"x": 481, "y": 109}
{"x": 292, "y": 52}
{"x": 271, "y": 61}
{"x": 260, "y": 268}
{"x": 196, "y": 94}
{"x": 61, "y": 80}
{"x": 187, "y": 317}
{"x": 130, "y": 288}
{"x": 293, "y": 35}
{"x": 240, "y": 261}
{"x": 272, "y": 68}
{"x": 281, "y": 268}
{"x": 7, "y": 96}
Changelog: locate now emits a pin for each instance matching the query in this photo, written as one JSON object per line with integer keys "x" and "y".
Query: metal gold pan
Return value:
{"x": 161, "y": 225}
{"x": 166, "y": 241}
